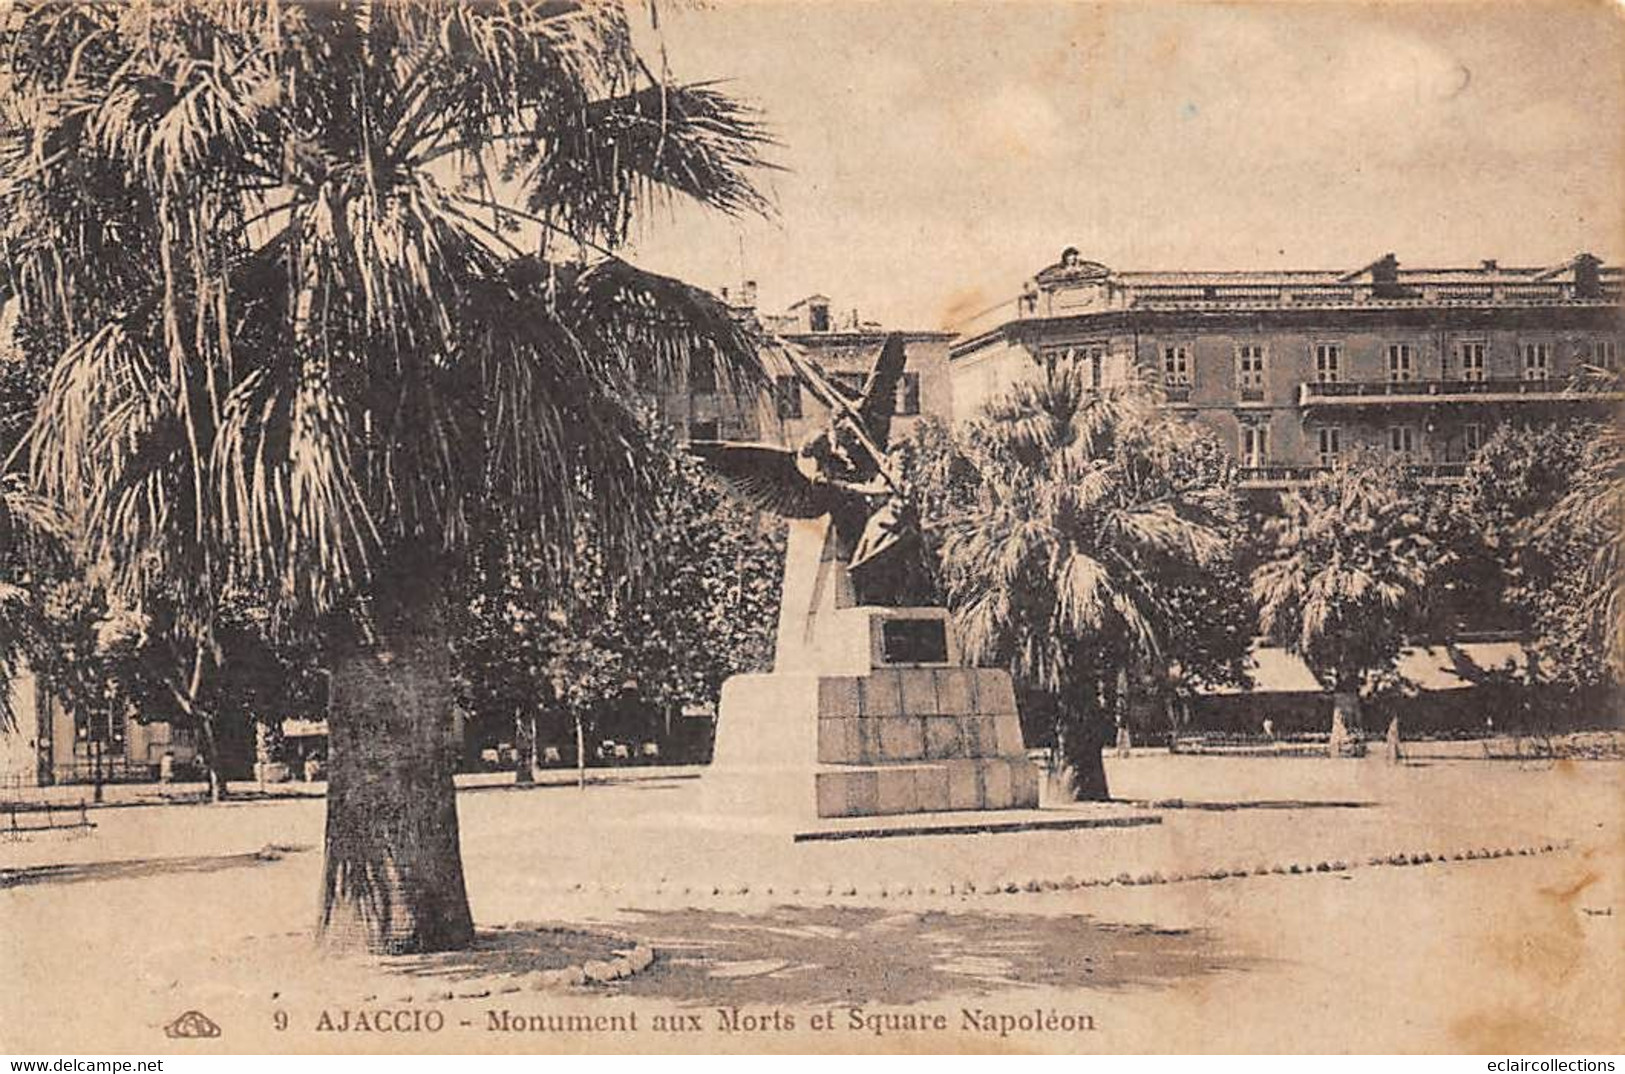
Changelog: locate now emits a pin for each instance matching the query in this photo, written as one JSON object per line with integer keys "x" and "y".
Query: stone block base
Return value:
{"x": 895, "y": 741}
{"x": 928, "y": 787}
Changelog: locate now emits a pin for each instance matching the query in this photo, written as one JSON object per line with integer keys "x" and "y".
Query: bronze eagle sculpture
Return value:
{"x": 844, "y": 470}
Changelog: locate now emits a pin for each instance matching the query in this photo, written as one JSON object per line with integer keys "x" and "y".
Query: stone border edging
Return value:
{"x": 1071, "y": 883}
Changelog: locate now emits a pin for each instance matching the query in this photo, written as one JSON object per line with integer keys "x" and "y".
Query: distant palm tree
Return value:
{"x": 317, "y": 270}
{"x": 1077, "y": 520}
{"x": 1344, "y": 575}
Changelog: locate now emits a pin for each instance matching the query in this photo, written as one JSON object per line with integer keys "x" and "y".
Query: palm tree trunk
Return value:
{"x": 1088, "y": 759}
{"x": 1077, "y": 770}
{"x": 1394, "y": 752}
{"x": 392, "y": 880}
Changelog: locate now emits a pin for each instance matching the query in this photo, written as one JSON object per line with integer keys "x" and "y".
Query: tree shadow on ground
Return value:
{"x": 834, "y": 955}
{"x": 513, "y": 952}
{"x": 141, "y": 868}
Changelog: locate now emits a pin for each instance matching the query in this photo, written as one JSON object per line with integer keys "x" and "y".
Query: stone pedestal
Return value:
{"x": 868, "y": 712}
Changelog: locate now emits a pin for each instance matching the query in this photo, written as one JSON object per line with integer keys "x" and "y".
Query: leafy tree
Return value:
{"x": 20, "y": 513}
{"x": 1071, "y": 523}
{"x": 706, "y": 606}
{"x": 1349, "y": 559}
{"x": 1579, "y": 612}
{"x": 702, "y": 607}
{"x": 1490, "y": 559}
{"x": 311, "y": 267}
{"x": 1531, "y": 548}
{"x": 31, "y": 542}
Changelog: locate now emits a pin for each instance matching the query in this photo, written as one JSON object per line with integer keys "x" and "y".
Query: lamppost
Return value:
{"x": 99, "y": 733}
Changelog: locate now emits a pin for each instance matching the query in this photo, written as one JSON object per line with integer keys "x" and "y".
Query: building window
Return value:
{"x": 1401, "y": 363}
{"x": 1605, "y": 354}
{"x": 1472, "y": 353}
{"x": 1328, "y": 362}
{"x": 1537, "y": 361}
{"x": 100, "y": 726}
{"x": 1255, "y": 445}
{"x": 1402, "y": 442}
{"x": 1250, "y": 358}
{"x": 908, "y": 395}
{"x": 1096, "y": 355}
{"x": 1472, "y": 437}
{"x": 1330, "y": 442}
{"x": 1176, "y": 365}
{"x": 787, "y": 396}
{"x": 818, "y": 317}
{"x": 702, "y": 430}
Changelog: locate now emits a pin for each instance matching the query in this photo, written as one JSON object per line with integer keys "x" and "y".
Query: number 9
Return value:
{"x": 280, "y": 1020}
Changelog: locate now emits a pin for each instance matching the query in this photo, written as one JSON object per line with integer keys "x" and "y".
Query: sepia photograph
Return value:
{"x": 907, "y": 527}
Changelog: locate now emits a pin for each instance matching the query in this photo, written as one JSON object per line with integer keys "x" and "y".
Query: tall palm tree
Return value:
{"x": 1078, "y": 521}
{"x": 320, "y": 274}
{"x": 1347, "y": 565}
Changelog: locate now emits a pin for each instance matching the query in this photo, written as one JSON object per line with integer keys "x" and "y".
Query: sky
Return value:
{"x": 936, "y": 154}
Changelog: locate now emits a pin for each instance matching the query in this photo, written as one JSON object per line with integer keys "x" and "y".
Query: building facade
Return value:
{"x": 841, "y": 343}
{"x": 52, "y": 744}
{"x": 1294, "y": 369}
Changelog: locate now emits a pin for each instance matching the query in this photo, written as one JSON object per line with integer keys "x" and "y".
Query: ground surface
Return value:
{"x": 164, "y": 909}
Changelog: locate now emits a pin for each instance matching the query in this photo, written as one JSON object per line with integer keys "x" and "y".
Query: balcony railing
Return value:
{"x": 1278, "y": 476}
{"x": 1283, "y": 475}
{"x": 1507, "y": 389}
{"x": 1439, "y": 471}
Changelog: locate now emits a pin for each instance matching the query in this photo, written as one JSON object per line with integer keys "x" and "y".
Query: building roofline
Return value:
{"x": 877, "y": 335}
{"x": 1222, "y": 312}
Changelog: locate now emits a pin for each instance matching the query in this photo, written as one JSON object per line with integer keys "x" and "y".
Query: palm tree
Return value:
{"x": 1347, "y": 565}
{"x": 1078, "y": 519}
{"x": 320, "y": 274}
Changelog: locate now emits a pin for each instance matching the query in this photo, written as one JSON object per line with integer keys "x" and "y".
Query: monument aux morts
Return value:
{"x": 869, "y": 709}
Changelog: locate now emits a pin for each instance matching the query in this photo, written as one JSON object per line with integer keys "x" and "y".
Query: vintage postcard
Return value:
{"x": 633, "y": 526}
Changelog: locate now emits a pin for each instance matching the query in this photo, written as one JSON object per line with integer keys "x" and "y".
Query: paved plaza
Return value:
{"x": 1277, "y": 902}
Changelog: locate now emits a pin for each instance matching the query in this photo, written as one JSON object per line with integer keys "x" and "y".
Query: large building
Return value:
{"x": 51, "y": 743}
{"x": 1295, "y": 368}
{"x": 841, "y": 343}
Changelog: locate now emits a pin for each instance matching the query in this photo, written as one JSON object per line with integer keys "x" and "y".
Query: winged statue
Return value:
{"x": 844, "y": 470}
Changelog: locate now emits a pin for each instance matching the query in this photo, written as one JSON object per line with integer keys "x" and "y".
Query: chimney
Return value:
{"x": 724, "y": 296}
{"x": 1385, "y": 278}
{"x": 1489, "y": 264}
{"x": 1587, "y": 276}
{"x": 747, "y": 294}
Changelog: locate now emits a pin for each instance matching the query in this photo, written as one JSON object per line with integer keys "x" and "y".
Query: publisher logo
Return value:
{"x": 192, "y": 1024}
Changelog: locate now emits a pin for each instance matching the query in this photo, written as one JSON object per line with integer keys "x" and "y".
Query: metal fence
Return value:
{"x": 44, "y": 816}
